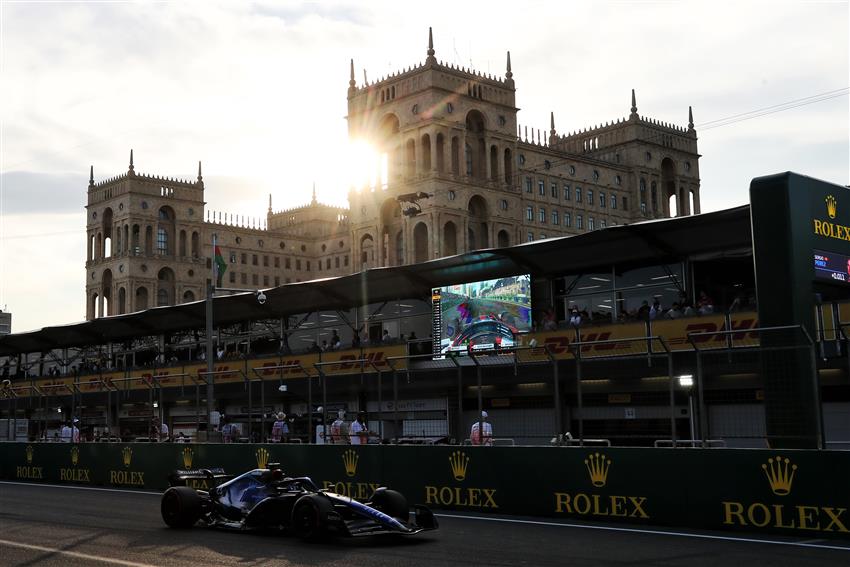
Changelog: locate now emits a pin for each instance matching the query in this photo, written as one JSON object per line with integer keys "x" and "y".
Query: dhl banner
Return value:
{"x": 789, "y": 492}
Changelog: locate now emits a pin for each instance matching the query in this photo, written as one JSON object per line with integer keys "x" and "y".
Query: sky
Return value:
{"x": 257, "y": 92}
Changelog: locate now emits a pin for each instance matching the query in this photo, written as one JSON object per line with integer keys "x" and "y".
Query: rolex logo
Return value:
{"x": 75, "y": 455}
{"x": 779, "y": 474}
{"x": 459, "y": 461}
{"x": 349, "y": 459}
{"x": 188, "y": 456}
{"x": 597, "y": 466}
{"x": 831, "y": 206}
{"x": 127, "y": 456}
{"x": 262, "y": 458}
{"x": 30, "y": 451}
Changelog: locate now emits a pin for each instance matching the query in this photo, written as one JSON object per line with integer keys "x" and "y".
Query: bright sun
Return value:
{"x": 361, "y": 168}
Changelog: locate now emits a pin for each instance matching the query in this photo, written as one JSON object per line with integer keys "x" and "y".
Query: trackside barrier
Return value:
{"x": 790, "y": 492}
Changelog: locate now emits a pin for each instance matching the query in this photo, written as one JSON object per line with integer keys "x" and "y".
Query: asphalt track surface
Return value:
{"x": 44, "y": 525}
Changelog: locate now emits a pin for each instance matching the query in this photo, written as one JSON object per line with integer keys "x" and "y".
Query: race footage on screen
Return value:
{"x": 484, "y": 315}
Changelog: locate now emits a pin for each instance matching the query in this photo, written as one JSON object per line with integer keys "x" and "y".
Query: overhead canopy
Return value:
{"x": 717, "y": 233}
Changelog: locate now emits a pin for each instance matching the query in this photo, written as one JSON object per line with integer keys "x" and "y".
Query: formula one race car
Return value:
{"x": 267, "y": 498}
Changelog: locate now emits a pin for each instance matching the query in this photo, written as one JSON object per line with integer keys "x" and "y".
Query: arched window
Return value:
{"x": 441, "y": 153}
{"x": 122, "y": 300}
{"x": 449, "y": 239}
{"x": 509, "y": 167}
{"x": 161, "y": 240}
{"x": 141, "y": 298}
{"x": 399, "y": 248}
{"x": 182, "y": 244}
{"x": 188, "y": 296}
{"x": 504, "y": 239}
{"x": 426, "y": 153}
{"x": 642, "y": 195}
{"x": 196, "y": 245}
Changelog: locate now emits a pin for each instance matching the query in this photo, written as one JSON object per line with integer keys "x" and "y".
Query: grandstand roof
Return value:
{"x": 719, "y": 233}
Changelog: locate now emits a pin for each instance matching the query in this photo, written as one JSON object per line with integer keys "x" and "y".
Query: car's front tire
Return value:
{"x": 309, "y": 517}
{"x": 391, "y": 503}
{"x": 181, "y": 507}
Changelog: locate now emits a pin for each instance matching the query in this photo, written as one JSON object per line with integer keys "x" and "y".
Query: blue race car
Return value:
{"x": 268, "y": 499}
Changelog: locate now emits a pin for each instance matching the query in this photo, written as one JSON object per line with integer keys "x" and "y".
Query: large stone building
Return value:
{"x": 458, "y": 173}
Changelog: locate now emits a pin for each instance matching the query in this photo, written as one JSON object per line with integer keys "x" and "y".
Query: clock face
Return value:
{"x": 572, "y": 170}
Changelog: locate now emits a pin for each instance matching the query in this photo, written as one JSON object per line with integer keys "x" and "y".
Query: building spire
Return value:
{"x": 690, "y": 119}
{"x": 431, "y": 59}
{"x": 365, "y": 78}
{"x": 131, "y": 170}
{"x": 270, "y": 203}
{"x": 200, "y": 177}
{"x": 634, "y": 106}
{"x": 509, "y": 76}
{"x": 91, "y": 176}
{"x": 352, "y": 84}
{"x": 313, "y": 202}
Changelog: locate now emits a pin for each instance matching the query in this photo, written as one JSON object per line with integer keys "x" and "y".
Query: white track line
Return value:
{"x": 644, "y": 531}
{"x": 516, "y": 521}
{"x": 77, "y": 555}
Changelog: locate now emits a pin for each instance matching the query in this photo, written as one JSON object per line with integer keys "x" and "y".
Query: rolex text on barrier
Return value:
{"x": 791, "y": 492}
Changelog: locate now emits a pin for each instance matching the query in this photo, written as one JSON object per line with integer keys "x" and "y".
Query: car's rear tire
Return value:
{"x": 391, "y": 503}
{"x": 309, "y": 517}
{"x": 181, "y": 507}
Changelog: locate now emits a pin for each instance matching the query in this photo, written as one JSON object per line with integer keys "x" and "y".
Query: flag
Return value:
{"x": 220, "y": 266}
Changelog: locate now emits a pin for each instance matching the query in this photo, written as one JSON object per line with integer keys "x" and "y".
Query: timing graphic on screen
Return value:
{"x": 831, "y": 266}
{"x": 482, "y": 315}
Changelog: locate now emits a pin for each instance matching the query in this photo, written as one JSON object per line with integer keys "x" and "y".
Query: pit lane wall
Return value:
{"x": 791, "y": 492}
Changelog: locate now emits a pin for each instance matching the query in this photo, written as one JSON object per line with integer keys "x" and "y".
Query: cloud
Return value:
{"x": 35, "y": 192}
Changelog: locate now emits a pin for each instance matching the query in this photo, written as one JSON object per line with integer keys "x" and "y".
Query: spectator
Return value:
{"x": 386, "y": 338}
{"x": 75, "y": 432}
{"x": 674, "y": 312}
{"x": 643, "y": 311}
{"x": 229, "y": 431}
{"x": 163, "y": 432}
{"x": 335, "y": 342}
{"x": 549, "y": 322}
{"x": 575, "y": 317}
{"x": 705, "y": 305}
{"x": 65, "y": 432}
{"x": 220, "y": 353}
{"x": 688, "y": 309}
{"x": 475, "y": 435}
{"x": 324, "y": 347}
{"x": 655, "y": 310}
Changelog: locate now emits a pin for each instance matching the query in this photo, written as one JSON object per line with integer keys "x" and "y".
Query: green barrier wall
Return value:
{"x": 797, "y": 492}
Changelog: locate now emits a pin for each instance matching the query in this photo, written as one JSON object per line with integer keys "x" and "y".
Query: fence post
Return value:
{"x": 672, "y": 398}
{"x": 700, "y": 399}
{"x": 556, "y": 381}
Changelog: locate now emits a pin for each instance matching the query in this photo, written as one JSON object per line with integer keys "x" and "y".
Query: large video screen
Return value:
{"x": 481, "y": 315}
{"x": 831, "y": 266}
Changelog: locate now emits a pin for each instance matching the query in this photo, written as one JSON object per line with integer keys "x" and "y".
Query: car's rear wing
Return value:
{"x": 198, "y": 478}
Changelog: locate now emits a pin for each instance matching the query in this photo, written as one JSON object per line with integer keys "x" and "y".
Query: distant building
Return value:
{"x": 459, "y": 173}
{"x": 5, "y": 323}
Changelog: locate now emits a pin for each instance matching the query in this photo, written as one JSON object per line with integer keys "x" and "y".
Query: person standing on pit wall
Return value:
{"x": 338, "y": 434}
{"x": 280, "y": 428}
{"x": 475, "y": 434}
{"x": 65, "y": 432}
{"x": 358, "y": 432}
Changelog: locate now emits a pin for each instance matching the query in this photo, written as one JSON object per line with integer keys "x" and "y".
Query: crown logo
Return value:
{"x": 349, "y": 459}
{"x": 188, "y": 456}
{"x": 262, "y": 458}
{"x": 459, "y": 461}
{"x": 831, "y": 206}
{"x": 127, "y": 456}
{"x": 597, "y": 466}
{"x": 30, "y": 451}
{"x": 75, "y": 456}
{"x": 779, "y": 474}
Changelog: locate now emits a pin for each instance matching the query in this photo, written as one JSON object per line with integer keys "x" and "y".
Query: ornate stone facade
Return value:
{"x": 459, "y": 173}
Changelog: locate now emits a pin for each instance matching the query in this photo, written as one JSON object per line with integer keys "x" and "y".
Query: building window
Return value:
{"x": 265, "y": 281}
{"x": 602, "y": 199}
{"x": 528, "y": 184}
{"x": 579, "y": 221}
{"x": 346, "y": 260}
{"x": 572, "y": 170}
{"x": 566, "y": 192}
{"x": 232, "y": 277}
{"x": 277, "y": 261}
{"x": 654, "y": 198}
{"x": 255, "y": 279}
{"x": 529, "y": 213}
{"x": 243, "y": 258}
{"x": 625, "y": 203}
{"x": 308, "y": 265}
{"x": 530, "y": 236}
{"x": 617, "y": 179}
{"x": 590, "y": 197}
{"x": 578, "y": 194}
{"x": 590, "y": 223}
{"x": 161, "y": 241}
{"x": 298, "y": 264}
{"x": 265, "y": 261}
{"x": 554, "y": 189}
{"x": 567, "y": 219}
{"x": 254, "y": 259}
{"x": 503, "y": 204}
{"x": 595, "y": 175}
{"x": 276, "y": 281}
{"x": 602, "y": 223}
{"x": 452, "y": 195}
{"x": 541, "y": 188}
{"x": 287, "y": 263}
{"x": 613, "y": 201}
{"x": 336, "y": 262}
{"x": 542, "y": 216}
{"x": 328, "y": 264}
{"x": 555, "y": 219}
{"x": 542, "y": 236}
{"x": 243, "y": 278}
{"x": 233, "y": 257}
